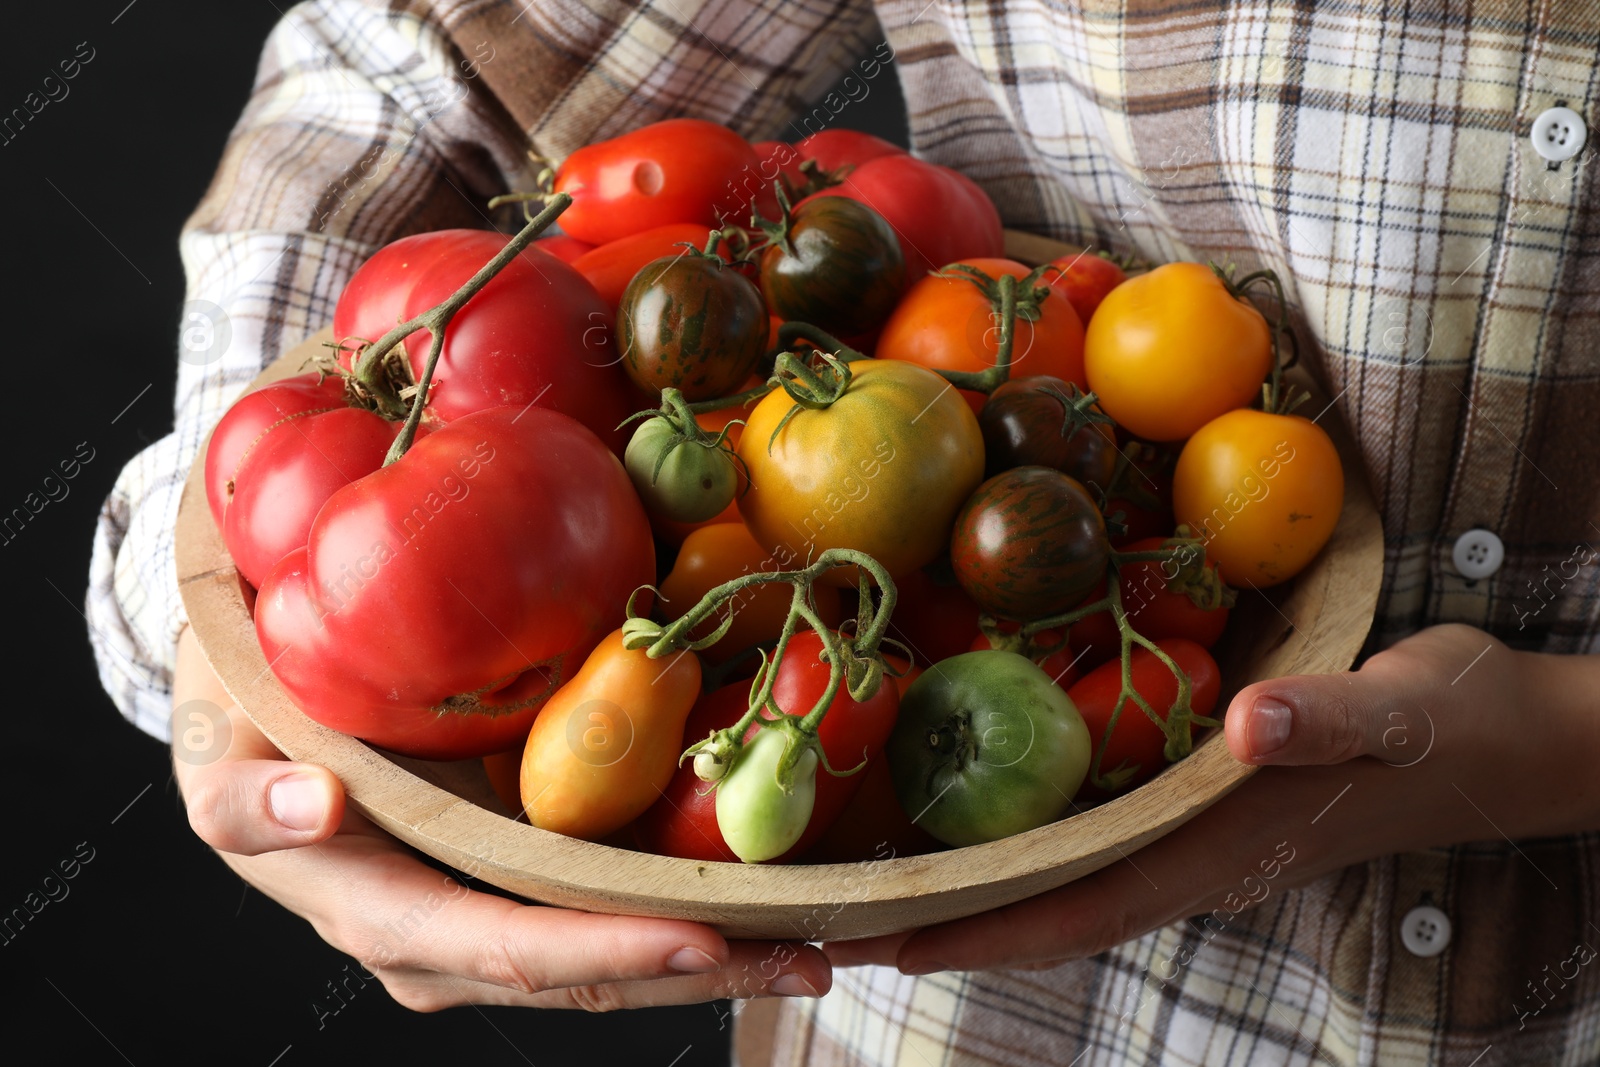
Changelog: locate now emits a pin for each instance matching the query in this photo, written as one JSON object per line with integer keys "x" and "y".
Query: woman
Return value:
{"x": 1411, "y": 878}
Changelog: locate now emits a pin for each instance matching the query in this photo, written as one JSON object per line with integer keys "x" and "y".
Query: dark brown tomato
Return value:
{"x": 689, "y": 323}
{"x": 1029, "y": 543}
{"x": 838, "y": 267}
{"x": 1025, "y": 424}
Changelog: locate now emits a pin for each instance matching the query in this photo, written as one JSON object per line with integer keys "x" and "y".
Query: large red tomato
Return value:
{"x": 440, "y": 600}
{"x": 537, "y": 334}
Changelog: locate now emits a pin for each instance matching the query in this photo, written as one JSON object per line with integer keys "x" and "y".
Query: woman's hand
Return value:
{"x": 434, "y": 943}
{"x": 1448, "y": 736}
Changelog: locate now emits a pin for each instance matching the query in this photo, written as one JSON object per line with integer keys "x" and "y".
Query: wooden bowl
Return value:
{"x": 1316, "y": 624}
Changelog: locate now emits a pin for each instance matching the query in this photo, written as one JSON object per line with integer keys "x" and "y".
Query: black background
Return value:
{"x": 159, "y": 954}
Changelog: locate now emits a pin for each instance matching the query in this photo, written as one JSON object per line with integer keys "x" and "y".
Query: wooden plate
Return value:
{"x": 1315, "y": 625}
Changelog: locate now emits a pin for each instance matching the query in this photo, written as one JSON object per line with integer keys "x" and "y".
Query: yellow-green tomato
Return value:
{"x": 759, "y": 819}
{"x": 882, "y": 470}
{"x": 986, "y": 746}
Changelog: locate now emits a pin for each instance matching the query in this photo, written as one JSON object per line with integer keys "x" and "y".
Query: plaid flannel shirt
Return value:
{"x": 1444, "y": 281}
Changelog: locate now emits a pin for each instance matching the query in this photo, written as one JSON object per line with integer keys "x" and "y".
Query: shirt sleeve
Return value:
{"x": 364, "y": 126}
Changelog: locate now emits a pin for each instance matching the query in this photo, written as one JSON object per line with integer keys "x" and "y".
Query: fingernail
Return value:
{"x": 691, "y": 960}
{"x": 299, "y": 801}
{"x": 923, "y": 967}
{"x": 792, "y": 985}
{"x": 1269, "y": 726}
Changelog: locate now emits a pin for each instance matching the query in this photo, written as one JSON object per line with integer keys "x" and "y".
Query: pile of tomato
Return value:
{"x": 768, "y": 511}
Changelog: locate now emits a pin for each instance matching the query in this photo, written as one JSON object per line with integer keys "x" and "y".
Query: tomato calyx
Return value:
{"x": 1192, "y": 576}
{"x": 810, "y": 388}
{"x": 1010, "y": 298}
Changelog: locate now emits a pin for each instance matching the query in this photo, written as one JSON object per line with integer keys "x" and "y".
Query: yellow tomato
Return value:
{"x": 1168, "y": 351}
{"x": 1263, "y": 491}
{"x": 882, "y": 470}
{"x": 607, "y": 743}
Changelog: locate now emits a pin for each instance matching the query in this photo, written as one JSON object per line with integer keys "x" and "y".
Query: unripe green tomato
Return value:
{"x": 758, "y": 820}
{"x": 695, "y": 483}
{"x": 986, "y": 746}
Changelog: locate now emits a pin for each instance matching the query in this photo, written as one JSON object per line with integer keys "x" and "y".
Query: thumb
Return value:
{"x": 1309, "y": 719}
{"x": 243, "y": 796}
{"x": 248, "y": 807}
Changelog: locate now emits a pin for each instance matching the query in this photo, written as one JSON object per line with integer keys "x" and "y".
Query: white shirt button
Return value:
{"x": 1478, "y": 554}
{"x": 1559, "y": 134}
{"x": 1425, "y": 931}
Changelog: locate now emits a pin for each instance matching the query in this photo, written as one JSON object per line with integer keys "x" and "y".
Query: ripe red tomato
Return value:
{"x": 1153, "y": 610}
{"x": 835, "y": 148}
{"x": 563, "y": 247}
{"x": 289, "y": 473}
{"x": 1137, "y": 744}
{"x": 611, "y": 267}
{"x": 948, "y": 324}
{"x": 250, "y": 416}
{"x": 683, "y": 822}
{"x": 679, "y": 170}
{"x": 440, "y": 600}
{"x": 537, "y": 334}
{"x": 1084, "y": 280}
{"x": 936, "y": 620}
{"x": 939, "y": 214}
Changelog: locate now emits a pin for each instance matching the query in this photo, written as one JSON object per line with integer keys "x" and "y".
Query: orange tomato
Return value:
{"x": 720, "y": 553}
{"x": 1262, "y": 491}
{"x": 607, "y": 743}
{"x": 1168, "y": 351}
{"x": 948, "y": 324}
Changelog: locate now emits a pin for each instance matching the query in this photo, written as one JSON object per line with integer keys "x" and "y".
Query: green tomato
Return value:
{"x": 694, "y": 483}
{"x": 987, "y": 746}
{"x": 758, "y": 819}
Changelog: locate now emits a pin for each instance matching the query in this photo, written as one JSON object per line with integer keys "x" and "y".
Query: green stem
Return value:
{"x": 437, "y": 318}
{"x": 790, "y": 332}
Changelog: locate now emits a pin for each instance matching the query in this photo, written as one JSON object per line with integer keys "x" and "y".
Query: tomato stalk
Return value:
{"x": 1204, "y": 588}
{"x": 1274, "y": 399}
{"x": 368, "y": 365}
{"x": 1010, "y": 297}
{"x": 854, "y": 662}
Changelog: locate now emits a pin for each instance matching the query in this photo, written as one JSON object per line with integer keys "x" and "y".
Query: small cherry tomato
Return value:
{"x": 1170, "y": 350}
{"x": 1025, "y": 424}
{"x": 1137, "y": 749}
{"x": 690, "y": 323}
{"x": 934, "y": 618}
{"x": 1030, "y": 543}
{"x": 680, "y": 480}
{"x": 610, "y": 267}
{"x": 1264, "y": 493}
{"x": 834, "y": 263}
{"x": 679, "y": 170}
{"x": 1084, "y": 280}
{"x": 606, "y": 744}
{"x": 760, "y": 817}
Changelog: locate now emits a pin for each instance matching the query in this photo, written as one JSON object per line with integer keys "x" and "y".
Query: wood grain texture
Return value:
{"x": 1314, "y": 625}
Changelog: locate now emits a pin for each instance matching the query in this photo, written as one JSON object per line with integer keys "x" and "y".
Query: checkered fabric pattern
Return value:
{"x": 1444, "y": 281}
